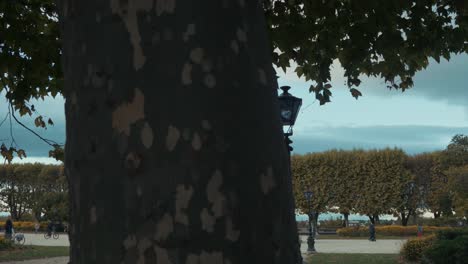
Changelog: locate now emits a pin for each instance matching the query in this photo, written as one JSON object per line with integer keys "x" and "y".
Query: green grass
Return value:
{"x": 32, "y": 252}
{"x": 323, "y": 258}
{"x": 363, "y": 238}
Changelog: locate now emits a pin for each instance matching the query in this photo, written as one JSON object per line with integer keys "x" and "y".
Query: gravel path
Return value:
{"x": 39, "y": 240}
{"x": 383, "y": 246}
{"x": 387, "y": 246}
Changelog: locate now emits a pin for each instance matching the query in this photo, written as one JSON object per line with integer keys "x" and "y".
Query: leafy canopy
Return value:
{"x": 391, "y": 39}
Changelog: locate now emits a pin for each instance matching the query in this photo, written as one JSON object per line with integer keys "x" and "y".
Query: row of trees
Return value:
{"x": 36, "y": 190}
{"x": 385, "y": 181}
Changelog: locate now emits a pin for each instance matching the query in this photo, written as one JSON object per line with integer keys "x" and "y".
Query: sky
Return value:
{"x": 421, "y": 119}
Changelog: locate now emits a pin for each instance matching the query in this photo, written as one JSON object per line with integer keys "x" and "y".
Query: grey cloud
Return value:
{"x": 412, "y": 139}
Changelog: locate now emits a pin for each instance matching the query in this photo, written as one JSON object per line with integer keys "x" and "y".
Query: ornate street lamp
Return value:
{"x": 289, "y": 108}
{"x": 310, "y": 239}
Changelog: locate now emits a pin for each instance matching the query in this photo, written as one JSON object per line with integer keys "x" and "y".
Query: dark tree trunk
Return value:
{"x": 174, "y": 148}
{"x": 376, "y": 219}
{"x": 372, "y": 219}
{"x": 346, "y": 219}
{"x": 404, "y": 219}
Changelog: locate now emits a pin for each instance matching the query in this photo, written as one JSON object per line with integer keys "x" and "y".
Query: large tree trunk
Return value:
{"x": 174, "y": 148}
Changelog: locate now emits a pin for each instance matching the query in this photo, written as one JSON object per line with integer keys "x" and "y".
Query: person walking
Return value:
{"x": 36, "y": 226}
{"x": 372, "y": 232}
{"x": 8, "y": 228}
{"x": 420, "y": 230}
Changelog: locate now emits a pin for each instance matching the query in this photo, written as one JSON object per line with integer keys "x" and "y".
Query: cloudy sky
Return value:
{"x": 421, "y": 119}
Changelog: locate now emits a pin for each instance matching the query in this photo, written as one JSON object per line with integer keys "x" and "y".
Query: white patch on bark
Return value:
{"x": 196, "y": 141}
{"x": 241, "y": 35}
{"x": 164, "y": 228}
{"x": 235, "y": 46}
{"x": 206, "y": 124}
{"x": 214, "y": 195}
{"x": 128, "y": 113}
{"x": 167, "y": 6}
{"x": 210, "y": 81}
{"x": 147, "y": 135}
{"x": 130, "y": 242}
{"x": 207, "y": 220}
{"x": 130, "y": 19}
{"x": 172, "y": 137}
{"x": 211, "y": 258}
{"x": 231, "y": 234}
{"x": 267, "y": 181}
{"x": 189, "y": 32}
{"x": 161, "y": 255}
{"x": 92, "y": 215}
{"x": 183, "y": 196}
{"x": 196, "y": 55}
{"x": 187, "y": 74}
{"x": 262, "y": 77}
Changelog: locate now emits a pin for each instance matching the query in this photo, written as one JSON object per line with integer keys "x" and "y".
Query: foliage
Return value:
{"x": 38, "y": 189}
{"x": 413, "y": 249}
{"x": 451, "y": 246}
{"x": 383, "y": 178}
{"x": 30, "y": 65}
{"x": 458, "y": 180}
{"x": 391, "y": 230}
{"x": 389, "y": 39}
{"x": 5, "y": 243}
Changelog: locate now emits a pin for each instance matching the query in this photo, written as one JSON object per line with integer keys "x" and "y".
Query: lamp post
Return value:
{"x": 289, "y": 108}
{"x": 311, "y": 238}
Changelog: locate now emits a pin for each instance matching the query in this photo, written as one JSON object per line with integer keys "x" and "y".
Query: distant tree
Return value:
{"x": 456, "y": 153}
{"x": 458, "y": 182}
{"x": 14, "y": 191}
{"x": 384, "y": 178}
{"x": 314, "y": 172}
{"x": 36, "y": 189}
{"x": 348, "y": 181}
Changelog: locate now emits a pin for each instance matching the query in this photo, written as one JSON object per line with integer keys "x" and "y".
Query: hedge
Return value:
{"x": 413, "y": 249}
{"x": 27, "y": 226}
{"x": 391, "y": 230}
{"x": 449, "y": 247}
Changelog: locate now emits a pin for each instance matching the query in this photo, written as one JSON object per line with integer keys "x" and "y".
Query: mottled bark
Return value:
{"x": 174, "y": 148}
